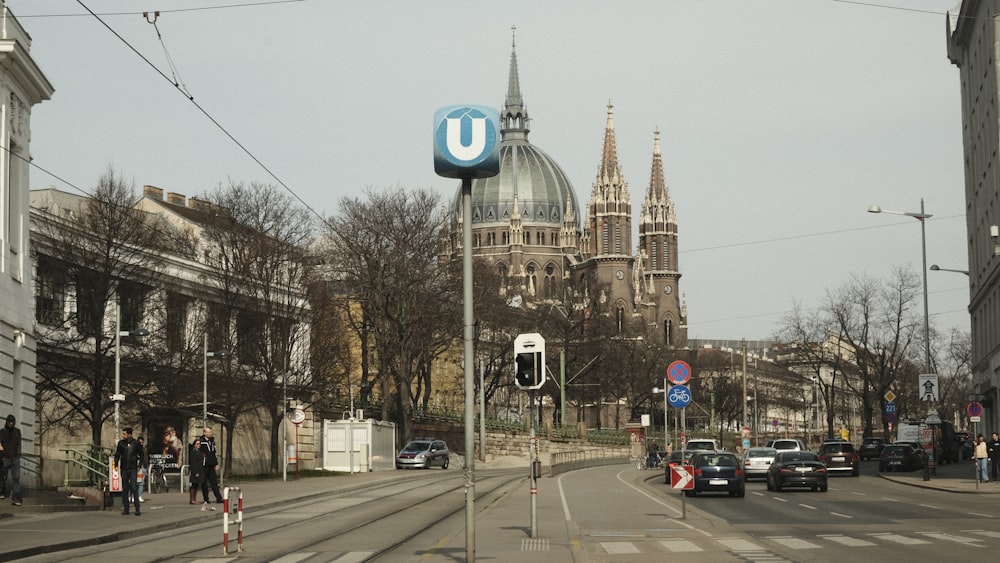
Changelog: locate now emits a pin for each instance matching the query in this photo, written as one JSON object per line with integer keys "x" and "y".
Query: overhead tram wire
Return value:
{"x": 200, "y": 9}
{"x": 207, "y": 115}
{"x": 178, "y": 83}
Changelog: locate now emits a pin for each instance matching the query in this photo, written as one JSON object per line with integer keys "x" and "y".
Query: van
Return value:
{"x": 703, "y": 444}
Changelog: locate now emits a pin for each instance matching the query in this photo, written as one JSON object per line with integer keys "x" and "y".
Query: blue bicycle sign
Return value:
{"x": 679, "y": 396}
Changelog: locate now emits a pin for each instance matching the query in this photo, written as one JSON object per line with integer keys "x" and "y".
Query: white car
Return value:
{"x": 789, "y": 444}
{"x": 756, "y": 461}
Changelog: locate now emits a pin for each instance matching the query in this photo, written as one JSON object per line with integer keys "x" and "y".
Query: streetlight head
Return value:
{"x": 874, "y": 209}
{"x": 934, "y": 268}
{"x": 139, "y": 332}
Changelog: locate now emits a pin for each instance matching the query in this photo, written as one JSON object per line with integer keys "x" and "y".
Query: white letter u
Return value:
{"x": 453, "y": 138}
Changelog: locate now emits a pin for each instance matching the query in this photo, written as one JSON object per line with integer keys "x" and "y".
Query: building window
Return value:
{"x": 540, "y": 237}
{"x": 506, "y": 237}
{"x": 491, "y": 239}
{"x": 50, "y": 293}
{"x": 668, "y": 332}
{"x": 250, "y": 341}
{"x": 176, "y": 327}
{"x": 131, "y": 300}
{"x": 550, "y": 282}
{"x": 606, "y": 238}
{"x": 530, "y": 283}
{"x": 620, "y": 318}
{"x": 654, "y": 258}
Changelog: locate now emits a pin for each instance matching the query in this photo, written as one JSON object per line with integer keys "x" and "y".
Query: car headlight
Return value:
{"x": 421, "y": 456}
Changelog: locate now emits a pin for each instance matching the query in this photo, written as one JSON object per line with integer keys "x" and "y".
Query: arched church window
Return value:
{"x": 654, "y": 258}
{"x": 530, "y": 283}
{"x": 550, "y": 282}
{"x": 668, "y": 332}
{"x": 506, "y": 237}
{"x": 620, "y": 318}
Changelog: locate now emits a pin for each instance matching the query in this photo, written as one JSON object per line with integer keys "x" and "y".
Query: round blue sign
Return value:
{"x": 467, "y": 142}
{"x": 679, "y": 396}
{"x": 975, "y": 408}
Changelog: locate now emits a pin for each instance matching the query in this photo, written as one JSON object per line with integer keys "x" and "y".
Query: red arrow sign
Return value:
{"x": 682, "y": 477}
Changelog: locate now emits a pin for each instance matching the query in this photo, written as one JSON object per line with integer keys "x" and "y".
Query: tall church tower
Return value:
{"x": 609, "y": 226}
{"x": 658, "y": 253}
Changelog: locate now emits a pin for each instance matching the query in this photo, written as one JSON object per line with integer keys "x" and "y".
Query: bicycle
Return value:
{"x": 640, "y": 462}
{"x": 157, "y": 479}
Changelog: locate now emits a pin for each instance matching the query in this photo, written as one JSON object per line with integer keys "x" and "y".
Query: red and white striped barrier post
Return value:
{"x": 225, "y": 520}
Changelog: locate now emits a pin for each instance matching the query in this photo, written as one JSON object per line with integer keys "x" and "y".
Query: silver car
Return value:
{"x": 756, "y": 461}
{"x": 425, "y": 453}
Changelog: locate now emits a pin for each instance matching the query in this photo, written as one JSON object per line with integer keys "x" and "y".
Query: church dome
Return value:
{"x": 541, "y": 186}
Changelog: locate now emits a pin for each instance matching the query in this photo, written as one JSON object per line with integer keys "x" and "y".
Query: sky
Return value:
{"x": 781, "y": 121}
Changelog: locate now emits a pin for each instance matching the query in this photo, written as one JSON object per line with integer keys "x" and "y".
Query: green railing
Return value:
{"x": 85, "y": 464}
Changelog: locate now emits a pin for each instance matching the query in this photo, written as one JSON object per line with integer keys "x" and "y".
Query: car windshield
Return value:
{"x": 838, "y": 448}
{"x": 414, "y": 447}
{"x": 718, "y": 461}
{"x": 785, "y": 445}
{"x": 762, "y": 452}
{"x": 799, "y": 456}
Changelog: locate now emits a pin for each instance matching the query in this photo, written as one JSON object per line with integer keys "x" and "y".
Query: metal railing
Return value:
{"x": 85, "y": 464}
{"x": 569, "y": 461}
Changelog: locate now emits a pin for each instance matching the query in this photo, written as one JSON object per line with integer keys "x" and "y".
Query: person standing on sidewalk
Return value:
{"x": 982, "y": 454}
{"x": 210, "y": 476}
{"x": 993, "y": 448}
{"x": 128, "y": 458}
{"x": 140, "y": 477}
{"x": 10, "y": 453}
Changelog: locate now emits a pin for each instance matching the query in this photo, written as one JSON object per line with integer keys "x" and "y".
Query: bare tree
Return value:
{"x": 385, "y": 253}
{"x": 257, "y": 238}
{"x": 95, "y": 257}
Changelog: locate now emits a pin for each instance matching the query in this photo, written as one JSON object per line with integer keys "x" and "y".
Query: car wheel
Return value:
{"x": 777, "y": 486}
{"x": 741, "y": 493}
{"x": 856, "y": 472}
{"x": 445, "y": 464}
{"x": 822, "y": 488}
{"x": 770, "y": 487}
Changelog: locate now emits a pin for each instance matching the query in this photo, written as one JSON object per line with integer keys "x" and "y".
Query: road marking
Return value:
{"x": 949, "y": 537}
{"x": 619, "y": 547}
{"x": 680, "y": 546}
{"x": 651, "y": 497}
{"x": 295, "y": 557}
{"x": 794, "y": 543}
{"x": 848, "y": 541}
{"x": 896, "y": 538}
{"x": 981, "y": 515}
{"x": 986, "y": 533}
{"x": 889, "y": 499}
{"x": 354, "y": 557}
{"x": 807, "y": 506}
{"x": 859, "y": 494}
{"x": 779, "y": 499}
{"x": 740, "y": 545}
{"x": 841, "y": 515}
{"x": 931, "y": 506}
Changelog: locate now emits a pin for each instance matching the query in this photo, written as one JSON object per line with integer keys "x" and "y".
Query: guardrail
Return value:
{"x": 569, "y": 461}
{"x": 85, "y": 464}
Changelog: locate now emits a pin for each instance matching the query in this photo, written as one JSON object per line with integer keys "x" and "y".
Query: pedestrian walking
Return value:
{"x": 982, "y": 455}
{"x": 196, "y": 461}
{"x": 993, "y": 449}
{"x": 10, "y": 453}
{"x": 211, "y": 474}
{"x": 128, "y": 457}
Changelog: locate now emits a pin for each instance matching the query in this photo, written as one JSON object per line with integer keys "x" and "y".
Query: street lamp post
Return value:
{"x": 118, "y": 397}
{"x": 922, "y": 217}
{"x": 666, "y": 435}
{"x": 936, "y": 268}
{"x": 204, "y": 380}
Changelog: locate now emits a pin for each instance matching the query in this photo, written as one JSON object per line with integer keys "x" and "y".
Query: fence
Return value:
{"x": 85, "y": 464}
{"x": 569, "y": 461}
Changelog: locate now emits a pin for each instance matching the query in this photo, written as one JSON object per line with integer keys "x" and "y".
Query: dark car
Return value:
{"x": 679, "y": 457}
{"x": 899, "y": 457}
{"x": 918, "y": 448}
{"x": 871, "y": 448}
{"x": 967, "y": 448}
{"x": 718, "y": 472}
{"x": 840, "y": 457}
{"x": 423, "y": 452}
{"x": 797, "y": 469}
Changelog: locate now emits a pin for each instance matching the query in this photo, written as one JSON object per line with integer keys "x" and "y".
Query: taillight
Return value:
{"x": 820, "y": 469}
{"x": 697, "y": 471}
{"x": 786, "y": 470}
{"x": 822, "y": 458}
{"x": 739, "y": 472}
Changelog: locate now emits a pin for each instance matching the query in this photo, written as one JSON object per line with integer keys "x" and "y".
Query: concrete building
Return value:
{"x": 972, "y": 40}
{"x": 22, "y": 86}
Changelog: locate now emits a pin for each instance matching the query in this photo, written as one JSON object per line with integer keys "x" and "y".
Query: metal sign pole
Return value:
{"x": 532, "y": 457}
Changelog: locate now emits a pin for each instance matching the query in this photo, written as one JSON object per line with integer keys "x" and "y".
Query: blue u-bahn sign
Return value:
{"x": 467, "y": 142}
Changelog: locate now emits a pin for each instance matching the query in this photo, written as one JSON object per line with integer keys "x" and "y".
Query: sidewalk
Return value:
{"x": 953, "y": 477}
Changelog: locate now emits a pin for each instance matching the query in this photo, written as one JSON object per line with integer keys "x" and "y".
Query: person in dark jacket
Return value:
{"x": 128, "y": 459}
{"x": 196, "y": 461}
{"x": 10, "y": 455}
{"x": 993, "y": 450}
{"x": 211, "y": 475}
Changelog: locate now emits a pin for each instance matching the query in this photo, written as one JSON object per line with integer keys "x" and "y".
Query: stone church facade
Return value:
{"x": 527, "y": 222}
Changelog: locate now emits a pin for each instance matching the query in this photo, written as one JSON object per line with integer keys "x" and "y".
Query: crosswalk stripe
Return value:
{"x": 986, "y": 533}
{"x": 848, "y": 541}
{"x": 354, "y": 557}
{"x": 740, "y": 545}
{"x": 949, "y": 537}
{"x": 794, "y": 543}
{"x": 294, "y": 557}
{"x": 619, "y": 547}
{"x": 899, "y": 539}
{"x": 680, "y": 546}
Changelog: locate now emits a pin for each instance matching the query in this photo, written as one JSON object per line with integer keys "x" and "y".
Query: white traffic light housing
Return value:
{"x": 529, "y": 361}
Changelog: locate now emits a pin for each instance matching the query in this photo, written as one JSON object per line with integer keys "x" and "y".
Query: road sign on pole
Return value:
{"x": 679, "y": 396}
{"x": 682, "y": 477}
{"x": 679, "y": 372}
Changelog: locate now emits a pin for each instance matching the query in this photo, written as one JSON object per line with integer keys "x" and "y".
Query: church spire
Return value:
{"x": 515, "y": 115}
{"x": 609, "y": 170}
{"x": 610, "y": 206}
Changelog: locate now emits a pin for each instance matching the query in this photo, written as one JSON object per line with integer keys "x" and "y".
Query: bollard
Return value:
{"x": 225, "y": 520}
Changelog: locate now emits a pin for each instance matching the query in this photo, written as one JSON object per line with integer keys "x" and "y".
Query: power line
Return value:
{"x": 199, "y": 9}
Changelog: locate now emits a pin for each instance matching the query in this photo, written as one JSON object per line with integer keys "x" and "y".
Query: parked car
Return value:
{"x": 899, "y": 457}
{"x": 793, "y": 444}
{"x": 756, "y": 461}
{"x": 916, "y": 447}
{"x": 792, "y": 468}
{"x": 423, "y": 452}
{"x": 840, "y": 457}
{"x": 871, "y": 448}
{"x": 718, "y": 472}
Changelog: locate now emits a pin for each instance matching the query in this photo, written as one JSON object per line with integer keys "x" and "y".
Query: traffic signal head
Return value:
{"x": 526, "y": 374}
{"x": 529, "y": 361}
